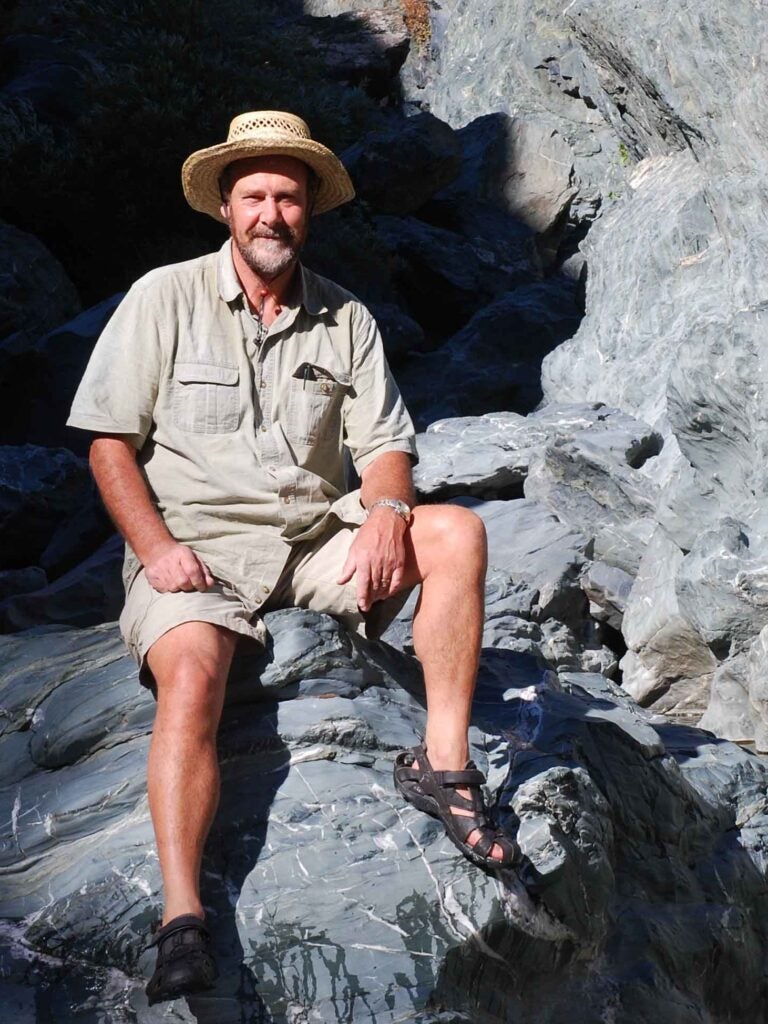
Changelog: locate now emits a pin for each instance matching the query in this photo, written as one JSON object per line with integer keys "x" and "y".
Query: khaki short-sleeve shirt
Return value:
{"x": 241, "y": 434}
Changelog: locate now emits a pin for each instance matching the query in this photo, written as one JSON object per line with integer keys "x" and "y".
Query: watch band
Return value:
{"x": 400, "y": 507}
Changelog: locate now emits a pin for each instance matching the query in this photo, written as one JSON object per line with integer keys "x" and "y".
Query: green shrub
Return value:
{"x": 103, "y": 190}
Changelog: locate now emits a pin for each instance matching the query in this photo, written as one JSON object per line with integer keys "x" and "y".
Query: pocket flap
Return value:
{"x": 313, "y": 372}
{"x": 205, "y": 373}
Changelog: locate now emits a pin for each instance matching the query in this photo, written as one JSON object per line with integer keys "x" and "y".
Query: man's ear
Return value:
{"x": 224, "y": 210}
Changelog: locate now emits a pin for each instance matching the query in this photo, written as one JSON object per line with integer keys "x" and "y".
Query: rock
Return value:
{"x": 668, "y": 666}
{"x": 48, "y": 77}
{"x": 40, "y": 376}
{"x": 592, "y": 480}
{"x": 88, "y": 594}
{"x": 489, "y": 456}
{"x": 494, "y": 362}
{"x": 399, "y": 332}
{"x": 365, "y": 48}
{"x": 443, "y": 277}
{"x": 21, "y": 581}
{"x": 722, "y": 584}
{"x": 608, "y": 590}
{"x": 38, "y": 488}
{"x": 621, "y": 821}
{"x": 397, "y": 170}
{"x": 35, "y": 293}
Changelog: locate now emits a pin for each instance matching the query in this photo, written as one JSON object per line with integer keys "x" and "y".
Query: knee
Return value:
{"x": 459, "y": 535}
{"x": 192, "y": 694}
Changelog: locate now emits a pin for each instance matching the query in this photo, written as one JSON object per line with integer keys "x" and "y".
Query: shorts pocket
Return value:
{"x": 206, "y": 398}
{"x": 314, "y": 405}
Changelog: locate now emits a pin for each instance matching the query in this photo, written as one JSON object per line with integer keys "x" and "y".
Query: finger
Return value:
{"x": 364, "y": 586}
{"x": 348, "y": 570}
{"x": 209, "y": 580}
{"x": 396, "y": 582}
{"x": 190, "y": 567}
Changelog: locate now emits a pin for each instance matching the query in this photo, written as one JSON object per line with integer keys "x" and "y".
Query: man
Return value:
{"x": 224, "y": 393}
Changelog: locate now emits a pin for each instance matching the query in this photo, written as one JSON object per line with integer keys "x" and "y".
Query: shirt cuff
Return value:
{"x": 97, "y": 425}
{"x": 406, "y": 444}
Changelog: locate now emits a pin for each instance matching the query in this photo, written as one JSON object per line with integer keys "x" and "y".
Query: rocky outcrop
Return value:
{"x": 622, "y": 821}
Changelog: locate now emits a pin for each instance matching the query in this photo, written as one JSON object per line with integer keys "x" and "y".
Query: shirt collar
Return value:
{"x": 304, "y": 291}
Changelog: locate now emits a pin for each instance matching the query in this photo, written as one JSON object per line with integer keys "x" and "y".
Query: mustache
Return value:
{"x": 282, "y": 234}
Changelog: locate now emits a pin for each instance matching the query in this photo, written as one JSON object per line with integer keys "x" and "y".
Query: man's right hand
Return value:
{"x": 176, "y": 568}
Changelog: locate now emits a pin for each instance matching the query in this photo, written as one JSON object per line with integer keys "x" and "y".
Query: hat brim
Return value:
{"x": 202, "y": 170}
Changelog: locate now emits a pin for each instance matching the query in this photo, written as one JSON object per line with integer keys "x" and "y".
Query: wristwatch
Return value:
{"x": 400, "y": 507}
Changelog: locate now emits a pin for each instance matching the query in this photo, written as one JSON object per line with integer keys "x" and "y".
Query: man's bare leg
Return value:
{"x": 446, "y": 552}
{"x": 190, "y": 664}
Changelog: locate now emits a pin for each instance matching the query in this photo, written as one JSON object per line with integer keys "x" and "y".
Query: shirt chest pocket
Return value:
{"x": 314, "y": 403}
{"x": 206, "y": 398}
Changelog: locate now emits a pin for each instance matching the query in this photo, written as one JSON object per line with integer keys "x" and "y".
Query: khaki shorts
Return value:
{"x": 308, "y": 581}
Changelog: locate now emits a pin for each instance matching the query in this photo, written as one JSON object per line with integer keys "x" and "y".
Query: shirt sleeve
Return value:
{"x": 375, "y": 417}
{"x": 119, "y": 388}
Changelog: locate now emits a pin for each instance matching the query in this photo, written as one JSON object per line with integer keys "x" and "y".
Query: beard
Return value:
{"x": 270, "y": 254}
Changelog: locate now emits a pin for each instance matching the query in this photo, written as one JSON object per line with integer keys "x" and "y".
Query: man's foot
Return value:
{"x": 185, "y": 964}
{"x": 456, "y": 798}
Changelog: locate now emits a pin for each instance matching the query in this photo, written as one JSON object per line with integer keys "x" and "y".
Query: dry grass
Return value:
{"x": 417, "y": 21}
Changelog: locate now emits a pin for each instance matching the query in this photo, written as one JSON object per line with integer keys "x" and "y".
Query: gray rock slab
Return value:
{"x": 489, "y": 456}
{"x": 608, "y": 590}
{"x": 329, "y": 897}
{"x": 666, "y": 651}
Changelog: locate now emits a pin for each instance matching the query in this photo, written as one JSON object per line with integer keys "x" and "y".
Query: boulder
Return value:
{"x": 489, "y": 456}
{"x": 444, "y": 277}
{"x": 666, "y": 656}
{"x": 396, "y": 170}
{"x": 608, "y": 590}
{"x": 621, "y": 820}
{"x": 39, "y": 377}
{"x": 35, "y": 293}
{"x": 494, "y": 362}
{"x": 88, "y": 594}
{"x": 364, "y": 48}
{"x": 39, "y": 487}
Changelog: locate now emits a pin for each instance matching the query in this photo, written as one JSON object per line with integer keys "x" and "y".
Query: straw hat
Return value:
{"x": 264, "y": 133}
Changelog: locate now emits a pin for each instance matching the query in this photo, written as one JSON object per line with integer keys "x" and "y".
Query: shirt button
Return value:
{"x": 265, "y": 588}
{"x": 264, "y": 427}
{"x": 263, "y": 384}
{"x": 287, "y": 499}
{"x": 325, "y": 388}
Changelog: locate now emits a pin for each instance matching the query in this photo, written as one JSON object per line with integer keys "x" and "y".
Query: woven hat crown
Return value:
{"x": 271, "y": 121}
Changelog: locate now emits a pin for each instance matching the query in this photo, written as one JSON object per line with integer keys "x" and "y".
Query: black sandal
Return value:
{"x": 185, "y": 964}
{"x": 435, "y": 794}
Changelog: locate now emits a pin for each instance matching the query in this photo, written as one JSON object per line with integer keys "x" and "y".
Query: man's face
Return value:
{"x": 268, "y": 213}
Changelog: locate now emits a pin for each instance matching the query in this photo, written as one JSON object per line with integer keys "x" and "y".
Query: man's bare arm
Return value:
{"x": 169, "y": 566}
{"x": 377, "y": 554}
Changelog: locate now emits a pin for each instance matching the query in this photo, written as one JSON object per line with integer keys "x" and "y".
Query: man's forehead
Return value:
{"x": 286, "y": 166}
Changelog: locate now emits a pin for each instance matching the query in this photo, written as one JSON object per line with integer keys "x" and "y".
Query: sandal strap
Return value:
{"x": 178, "y": 924}
{"x": 464, "y": 778}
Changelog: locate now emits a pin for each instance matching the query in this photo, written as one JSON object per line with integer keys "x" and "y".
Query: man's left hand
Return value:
{"x": 377, "y": 557}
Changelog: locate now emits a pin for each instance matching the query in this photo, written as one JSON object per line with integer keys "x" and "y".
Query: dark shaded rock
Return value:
{"x": 399, "y": 332}
{"x": 35, "y": 293}
{"x": 90, "y": 593}
{"x": 446, "y": 277}
{"x": 365, "y": 48}
{"x": 38, "y": 380}
{"x": 495, "y": 361}
{"x": 38, "y": 488}
{"x": 47, "y": 76}
{"x": 21, "y": 581}
{"x": 398, "y": 170}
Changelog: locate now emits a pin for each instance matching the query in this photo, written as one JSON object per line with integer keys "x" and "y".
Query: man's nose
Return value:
{"x": 269, "y": 211}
